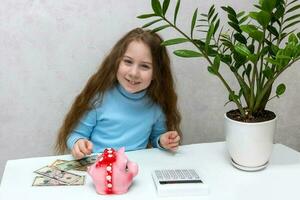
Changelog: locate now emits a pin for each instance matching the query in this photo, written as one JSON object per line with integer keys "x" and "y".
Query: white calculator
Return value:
{"x": 179, "y": 182}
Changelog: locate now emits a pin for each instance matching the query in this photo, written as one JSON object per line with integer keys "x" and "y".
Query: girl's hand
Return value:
{"x": 82, "y": 148}
{"x": 170, "y": 140}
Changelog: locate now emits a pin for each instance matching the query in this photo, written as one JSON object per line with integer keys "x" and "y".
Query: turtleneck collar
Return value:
{"x": 134, "y": 96}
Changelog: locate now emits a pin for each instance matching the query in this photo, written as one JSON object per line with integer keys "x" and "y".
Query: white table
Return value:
{"x": 281, "y": 180}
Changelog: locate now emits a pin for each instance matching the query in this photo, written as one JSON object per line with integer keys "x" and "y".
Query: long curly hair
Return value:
{"x": 161, "y": 90}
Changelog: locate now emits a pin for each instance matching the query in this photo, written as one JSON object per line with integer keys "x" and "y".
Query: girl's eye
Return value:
{"x": 128, "y": 61}
{"x": 145, "y": 67}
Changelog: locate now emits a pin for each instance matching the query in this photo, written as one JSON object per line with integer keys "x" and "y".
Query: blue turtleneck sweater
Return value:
{"x": 121, "y": 119}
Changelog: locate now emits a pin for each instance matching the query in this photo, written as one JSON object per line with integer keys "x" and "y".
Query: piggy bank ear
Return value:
{"x": 121, "y": 150}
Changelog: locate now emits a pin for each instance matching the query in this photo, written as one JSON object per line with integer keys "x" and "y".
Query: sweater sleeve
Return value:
{"x": 158, "y": 128}
{"x": 83, "y": 129}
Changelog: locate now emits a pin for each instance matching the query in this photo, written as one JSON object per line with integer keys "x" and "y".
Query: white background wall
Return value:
{"x": 48, "y": 49}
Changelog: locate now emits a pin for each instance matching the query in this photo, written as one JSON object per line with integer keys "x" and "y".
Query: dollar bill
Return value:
{"x": 46, "y": 181}
{"x": 59, "y": 175}
{"x": 80, "y": 181}
{"x": 86, "y": 161}
{"x": 57, "y": 162}
{"x": 66, "y": 166}
{"x": 82, "y": 168}
{"x": 80, "y": 164}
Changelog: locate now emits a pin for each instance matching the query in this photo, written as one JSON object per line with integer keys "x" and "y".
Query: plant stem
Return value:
{"x": 269, "y": 84}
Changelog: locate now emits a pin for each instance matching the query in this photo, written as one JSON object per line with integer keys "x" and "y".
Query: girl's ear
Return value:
{"x": 121, "y": 150}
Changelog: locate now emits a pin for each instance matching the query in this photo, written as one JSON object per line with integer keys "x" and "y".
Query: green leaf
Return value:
{"x": 209, "y": 35}
{"x": 211, "y": 70}
{"x": 263, "y": 18}
{"x": 253, "y": 32}
{"x": 216, "y": 63}
{"x": 251, "y": 48}
{"x": 248, "y": 28}
{"x": 187, "y": 53}
{"x": 298, "y": 35}
{"x": 150, "y": 23}
{"x": 280, "y": 89}
{"x": 268, "y": 5}
{"x": 283, "y": 57}
{"x": 211, "y": 52}
{"x": 272, "y": 61}
{"x": 235, "y": 26}
{"x": 253, "y": 58}
{"x": 293, "y": 39}
{"x": 165, "y": 6}
{"x": 293, "y": 8}
{"x": 257, "y": 35}
{"x": 231, "y": 11}
{"x": 253, "y": 15}
{"x": 216, "y": 26}
{"x": 146, "y": 16}
{"x": 268, "y": 73}
{"x": 174, "y": 41}
{"x": 176, "y": 11}
{"x": 156, "y": 7}
{"x": 214, "y": 18}
{"x": 159, "y": 28}
{"x": 242, "y": 49}
{"x": 292, "y": 17}
{"x": 243, "y": 19}
{"x": 240, "y": 14}
{"x": 274, "y": 49}
{"x": 283, "y": 35}
{"x": 291, "y": 24}
{"x": 194, "y": 22}
{"x": 279, "y": 12}
{"x": 239, "y": 37}
{"x": 264, "y": 51}
{"x": 273, "y": 30}
{"x": 226, "y": 59}
{"x": 211, "y": 12}
{"x": 233, "y": 19}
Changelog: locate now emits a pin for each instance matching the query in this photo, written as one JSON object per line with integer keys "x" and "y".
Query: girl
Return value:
{"x": 129, "y": 101}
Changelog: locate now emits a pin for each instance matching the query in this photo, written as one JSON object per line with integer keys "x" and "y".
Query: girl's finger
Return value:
{"x": 77, "y": 153}
{"x": 172, "y": 145}
{"x": 176, "y": 139}
{"x": 82, "y": 147}
{"x": 89, "y": 146}
{"x": 174, "y": 134}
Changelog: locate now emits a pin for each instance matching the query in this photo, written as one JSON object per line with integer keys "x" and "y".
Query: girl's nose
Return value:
{"x": 134, "y": 71}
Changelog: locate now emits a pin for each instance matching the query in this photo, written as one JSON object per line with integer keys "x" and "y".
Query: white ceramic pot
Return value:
{"x": 249, "y": 144}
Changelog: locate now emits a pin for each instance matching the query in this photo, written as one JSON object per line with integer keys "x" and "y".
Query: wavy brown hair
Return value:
{"x": 161, "y": 89}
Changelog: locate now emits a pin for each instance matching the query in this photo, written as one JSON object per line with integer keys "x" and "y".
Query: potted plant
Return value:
{"x": 256, "y": 48}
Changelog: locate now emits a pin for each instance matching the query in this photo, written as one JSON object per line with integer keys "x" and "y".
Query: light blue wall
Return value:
{"x": 48, "y": 49}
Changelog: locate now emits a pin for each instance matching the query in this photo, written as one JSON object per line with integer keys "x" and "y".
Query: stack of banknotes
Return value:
{"x": 57, "y": 173}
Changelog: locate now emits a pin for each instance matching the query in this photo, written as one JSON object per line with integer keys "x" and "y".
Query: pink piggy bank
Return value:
{"x": 113, "y": 173}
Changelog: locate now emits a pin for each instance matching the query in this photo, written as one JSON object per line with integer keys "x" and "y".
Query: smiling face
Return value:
{"x": 135, "y": 69}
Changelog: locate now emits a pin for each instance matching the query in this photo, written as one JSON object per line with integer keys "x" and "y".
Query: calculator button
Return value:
{"x": 158, "y": 174}
{"x": 194, "y": 174}
{"x": 180, "y": 174}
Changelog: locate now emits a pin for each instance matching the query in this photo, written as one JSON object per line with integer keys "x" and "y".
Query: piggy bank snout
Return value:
{"x": 132, "y": 168}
